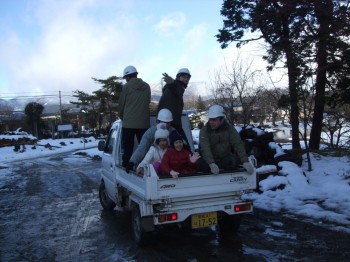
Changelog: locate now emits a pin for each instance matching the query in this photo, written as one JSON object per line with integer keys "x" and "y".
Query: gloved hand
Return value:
{"x": 194, "y": 157}
{"x": 168, "y": 79}
{"x": 129, "y": 167}
{"x": 214, "y": 168}
{"x": 174, "y": 174}
{"x": 249, "y": 167}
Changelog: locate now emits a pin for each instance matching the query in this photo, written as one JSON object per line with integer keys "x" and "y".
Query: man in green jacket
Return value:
{"x": 133, "y": 110}
{"x": 219, "y": 144}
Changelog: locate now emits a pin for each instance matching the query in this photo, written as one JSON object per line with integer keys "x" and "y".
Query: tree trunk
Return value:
{"x": 324, "y": 11}
{"x": 293, "y": 89}
{"x": 35, "y": 127}
{"x": 294, "y": 111}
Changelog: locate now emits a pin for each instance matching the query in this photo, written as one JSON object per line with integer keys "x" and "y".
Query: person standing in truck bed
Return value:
{"x": 164, "y": 117}
{"x": 133, "y": 110}
{"x": 172, "y": 98}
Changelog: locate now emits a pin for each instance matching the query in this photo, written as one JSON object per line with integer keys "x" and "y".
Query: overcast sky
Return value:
{"x": 52, "y": 45}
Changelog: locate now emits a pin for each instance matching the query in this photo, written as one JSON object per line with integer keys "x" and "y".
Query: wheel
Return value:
{"x": 229, "y": 225}
{"x": 105, "y": 201}
{"x": 138, "y": 233}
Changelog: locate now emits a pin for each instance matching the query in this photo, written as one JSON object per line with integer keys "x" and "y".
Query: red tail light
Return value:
{"x": 242, "y": 207}
{"x": 167, "y": 217}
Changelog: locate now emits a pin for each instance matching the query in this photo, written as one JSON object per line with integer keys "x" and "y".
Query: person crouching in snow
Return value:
{"x": 156, "y": 152}
{"x": 178, "y": 160}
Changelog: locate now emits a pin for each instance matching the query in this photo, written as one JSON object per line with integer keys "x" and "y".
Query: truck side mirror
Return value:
{"x": 101, "y": 145}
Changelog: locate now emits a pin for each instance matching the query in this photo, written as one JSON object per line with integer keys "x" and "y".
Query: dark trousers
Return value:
{"x": 227, "y": 163}
{"x": 128, "y": 136}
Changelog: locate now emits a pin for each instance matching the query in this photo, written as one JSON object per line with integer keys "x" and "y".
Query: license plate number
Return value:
{"x": 204, "y": 220}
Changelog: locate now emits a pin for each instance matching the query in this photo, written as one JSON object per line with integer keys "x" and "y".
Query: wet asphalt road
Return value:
{"x": 49, "y": 211}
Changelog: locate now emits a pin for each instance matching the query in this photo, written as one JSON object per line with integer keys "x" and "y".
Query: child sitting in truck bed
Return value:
{"x": 178, "y": 160}
{"x": 157, "y": 150}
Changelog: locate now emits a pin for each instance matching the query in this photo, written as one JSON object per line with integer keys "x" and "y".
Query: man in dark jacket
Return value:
{"x": 172, "y": 97}
{"x": 133, "y": 110}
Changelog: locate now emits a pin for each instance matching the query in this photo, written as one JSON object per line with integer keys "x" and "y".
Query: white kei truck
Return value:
{"x": 195, "y": 201}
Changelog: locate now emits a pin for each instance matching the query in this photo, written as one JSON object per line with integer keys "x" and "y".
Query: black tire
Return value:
{"x": 105, "y": 201}
{"x": 229, "y": 226}
{"x": 138, "y": 233}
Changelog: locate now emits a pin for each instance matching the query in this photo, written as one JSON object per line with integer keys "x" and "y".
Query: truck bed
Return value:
{"x": 150, "y": 187}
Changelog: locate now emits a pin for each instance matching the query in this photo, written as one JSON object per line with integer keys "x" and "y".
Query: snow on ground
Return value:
{"x": 47, "y": 147}
{"x": 320, "y": 195}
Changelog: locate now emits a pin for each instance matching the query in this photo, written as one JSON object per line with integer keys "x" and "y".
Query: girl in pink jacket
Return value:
{"x": 156, "y": 152}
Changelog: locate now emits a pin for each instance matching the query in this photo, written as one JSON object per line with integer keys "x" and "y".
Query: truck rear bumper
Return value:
{"x": 169, "y": 215}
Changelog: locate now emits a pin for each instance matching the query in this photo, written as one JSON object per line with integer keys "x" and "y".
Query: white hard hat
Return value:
{"x": 183, "y": 71}
{"x": 216, "y": 111}
{"x": 129, "y": 70}
{"x": 165, "y": 115}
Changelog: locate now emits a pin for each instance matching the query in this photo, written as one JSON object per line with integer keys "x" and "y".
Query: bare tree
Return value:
{"x": 336, "y": 127}
{"x": 307, "y": 98}
{"x": 237, "y": 88}
{"x": 191, "y": 101}
{"x": 267, "y": 106}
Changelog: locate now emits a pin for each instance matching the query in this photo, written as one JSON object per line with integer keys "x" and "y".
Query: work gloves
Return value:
{"x": 167, "y": 79}
{"x": 249, "y": 167}
{"x": 174, "y": 174}
{"x": 214, "y": 168}
{"x": 129, "y": 167}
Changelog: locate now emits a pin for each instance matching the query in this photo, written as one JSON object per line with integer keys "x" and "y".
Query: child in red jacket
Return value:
{"x": 178, "y": 160}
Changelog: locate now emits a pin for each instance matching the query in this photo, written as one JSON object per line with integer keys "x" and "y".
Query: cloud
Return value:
{"x": 170, "y": 24}
{"x": 62, "y": 44}
{"x": 71, "y": 48}
{"x": 195, "y": 37}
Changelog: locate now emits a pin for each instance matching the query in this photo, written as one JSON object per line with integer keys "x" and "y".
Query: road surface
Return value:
{"x": 50, "y": 212}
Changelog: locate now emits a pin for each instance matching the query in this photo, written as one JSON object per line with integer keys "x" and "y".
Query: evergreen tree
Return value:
{"x": 108, "y": 97}
{"x": 310, "y": 37}
{"x": 33, "y": 113}
{"x": 88, "y": 106}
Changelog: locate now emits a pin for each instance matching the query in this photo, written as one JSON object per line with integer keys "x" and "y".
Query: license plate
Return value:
{"x": 204, "y": 220}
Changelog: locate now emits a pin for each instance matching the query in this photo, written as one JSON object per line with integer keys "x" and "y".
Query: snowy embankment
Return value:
{"x": 45, "y": 147}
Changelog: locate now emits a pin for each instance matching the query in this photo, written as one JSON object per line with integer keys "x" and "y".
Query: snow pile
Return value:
{"x": 321, "y": 194}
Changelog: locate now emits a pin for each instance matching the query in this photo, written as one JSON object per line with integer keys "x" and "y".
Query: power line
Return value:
{"x": 34, "y": 96}
{"x": 39, "y": 92}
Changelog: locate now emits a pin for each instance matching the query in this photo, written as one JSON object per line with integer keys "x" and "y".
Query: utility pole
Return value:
{"x": 60, "y": 106}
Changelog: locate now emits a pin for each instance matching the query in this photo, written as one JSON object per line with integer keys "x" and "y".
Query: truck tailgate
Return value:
{"x": 201, "y": 186}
